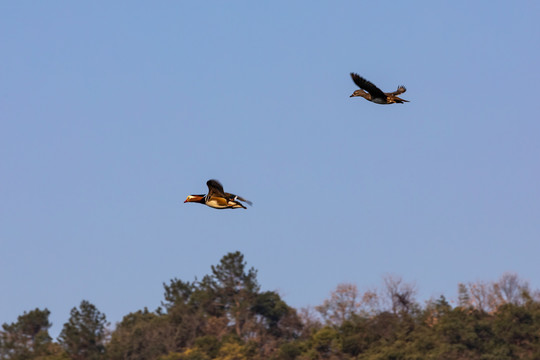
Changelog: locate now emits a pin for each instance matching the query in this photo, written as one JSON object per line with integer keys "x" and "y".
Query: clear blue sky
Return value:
{"x": 111, "y": 113}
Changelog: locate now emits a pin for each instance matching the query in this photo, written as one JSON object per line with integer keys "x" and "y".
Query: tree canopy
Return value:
{"x": 226, "y": 316}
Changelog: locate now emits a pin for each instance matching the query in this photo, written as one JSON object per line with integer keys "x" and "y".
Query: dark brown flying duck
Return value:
{"x": 374, "y": 94}
{"x": 217, "y": 198}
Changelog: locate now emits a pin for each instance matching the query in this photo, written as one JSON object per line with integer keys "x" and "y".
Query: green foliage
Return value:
{"x": 205, "y": 317}
{"x": 225, "y": 316}
{"x": 516, "y": 330}
{"x": 27, "y": 338}
{"x": 209, "y": 345}
{"x": 178, "y": 292}
{"x": 232, "y": 351}
{"x": 326, "y": 341}
{"x": 188, "y": 354}
{"x": 142, "y": 335}
{"x": 290, "y": 350}
{"x": 272, "y": 310}
{"x": 83, "y": 336}
{"x": 232, "y": 289}
{"x": 53, "y": 351}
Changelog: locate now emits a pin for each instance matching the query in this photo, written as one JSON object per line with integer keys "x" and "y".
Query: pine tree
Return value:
{"x": 26, "y": 338}
{"x": 84, "y": 335}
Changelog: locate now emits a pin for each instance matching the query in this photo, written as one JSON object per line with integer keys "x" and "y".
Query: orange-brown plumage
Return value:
{"x": 217, "y": 198}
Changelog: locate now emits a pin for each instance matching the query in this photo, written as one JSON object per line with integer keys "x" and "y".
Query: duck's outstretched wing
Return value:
{"x": 368, "y": 86}
{"x": 400, "y": 90}
{"x": 236, "y": 197}
{"x": 215, "y": 189}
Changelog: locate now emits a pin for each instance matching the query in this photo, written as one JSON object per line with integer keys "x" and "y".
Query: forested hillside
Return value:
{"x": 226, "y": 316}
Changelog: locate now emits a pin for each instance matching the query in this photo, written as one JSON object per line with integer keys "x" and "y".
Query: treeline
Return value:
{"x": 226, "y": 316}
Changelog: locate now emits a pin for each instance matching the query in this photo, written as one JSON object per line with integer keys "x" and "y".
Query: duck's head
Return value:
{"x": 358, "y": 93}
{"x": 194, "y": 198}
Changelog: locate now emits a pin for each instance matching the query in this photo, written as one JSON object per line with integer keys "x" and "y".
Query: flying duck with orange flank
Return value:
{"x": 217, "y": 198}
{"x": 374, "y": 94}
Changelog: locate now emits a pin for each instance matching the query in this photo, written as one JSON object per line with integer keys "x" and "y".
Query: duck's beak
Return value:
{"x": 352, "y": 95}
